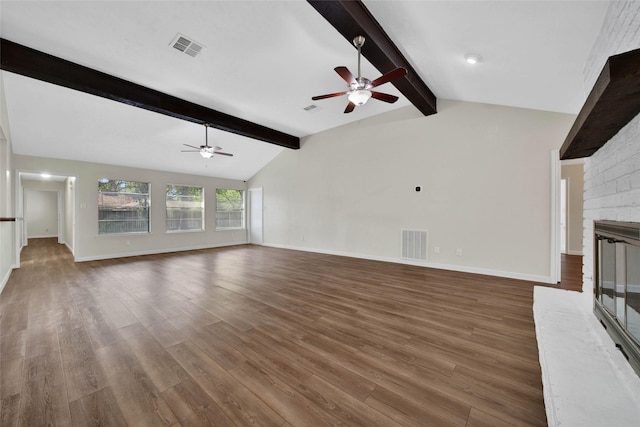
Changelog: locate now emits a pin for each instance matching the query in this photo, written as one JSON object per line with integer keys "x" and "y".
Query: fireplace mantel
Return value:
{"x": 613, "y": 102}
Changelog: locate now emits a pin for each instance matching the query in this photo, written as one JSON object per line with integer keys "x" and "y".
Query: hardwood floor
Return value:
{"x": 259, "y": 336}
{"x": 571, "y": 278}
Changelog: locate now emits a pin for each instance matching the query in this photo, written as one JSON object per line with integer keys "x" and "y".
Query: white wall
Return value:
{"x": 574, "y": 174}
{"x": 7, "y": 229}
{"x": 612, "y": 174}
{"x": 89, "y": 245}
{"x": 41, "y": 213}
{"x": 485, "y": 177}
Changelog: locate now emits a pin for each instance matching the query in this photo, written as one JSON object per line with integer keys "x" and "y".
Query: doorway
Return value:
{"x": 255, "y": 216}
{"x": 571, "y": 223}
{"x": 46, "y": 204}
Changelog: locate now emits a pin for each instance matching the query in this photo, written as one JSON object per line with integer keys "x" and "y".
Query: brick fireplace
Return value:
{"x": 607, "y": 134}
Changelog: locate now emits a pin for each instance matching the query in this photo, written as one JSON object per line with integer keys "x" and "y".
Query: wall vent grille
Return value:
{"x": 186, "y": 45}
{"x": 310, "y": 107}
{"x": 414, "y": 245}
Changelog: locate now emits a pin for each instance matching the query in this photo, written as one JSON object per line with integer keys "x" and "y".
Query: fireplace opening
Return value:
{"x": 617, "y": 285}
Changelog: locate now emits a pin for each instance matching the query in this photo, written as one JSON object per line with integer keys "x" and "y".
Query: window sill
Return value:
{"x": 183, "y": 231}
{"x": 137, "y": 233}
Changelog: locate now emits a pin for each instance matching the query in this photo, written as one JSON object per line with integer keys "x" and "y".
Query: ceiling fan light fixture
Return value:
{"x": 360, "y": 97}
{"x": 206, "y": 152}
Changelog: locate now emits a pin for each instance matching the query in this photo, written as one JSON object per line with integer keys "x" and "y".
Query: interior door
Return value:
{"x": 255, "y": 216}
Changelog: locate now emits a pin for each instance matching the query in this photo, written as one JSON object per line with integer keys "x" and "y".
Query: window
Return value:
{"x": 229, "y": 209}
{"x": 185, "y": 208}
{"x": 123, "y": 206}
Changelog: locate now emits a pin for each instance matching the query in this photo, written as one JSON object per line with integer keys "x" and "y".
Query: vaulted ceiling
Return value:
{"x": 263, "y": 61}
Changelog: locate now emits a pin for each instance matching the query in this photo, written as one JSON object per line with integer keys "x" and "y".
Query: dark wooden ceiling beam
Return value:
{"x": 351, "y": 19}
{"x": 32, "y": 63}
{"x": 612, "y": 103}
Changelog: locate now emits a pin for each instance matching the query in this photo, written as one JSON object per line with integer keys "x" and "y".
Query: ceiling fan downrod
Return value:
{"x": 358, "y": 41}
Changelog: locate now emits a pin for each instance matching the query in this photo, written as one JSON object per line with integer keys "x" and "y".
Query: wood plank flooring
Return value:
{"x": 254, "y": 336}
{"x": 571, "y": 277}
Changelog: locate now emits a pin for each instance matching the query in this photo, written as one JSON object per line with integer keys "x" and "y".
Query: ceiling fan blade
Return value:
{"x": 189, "y": 151}
{"x": 346, "y": 75}
{"x": 384, "y": 97}
{"x": 196, "y": 148}
{"x": 391, "y": 75}
{"x": 223, "y": 154}
{"x": 350, "y": 107}
{"x": 329, "y": 95}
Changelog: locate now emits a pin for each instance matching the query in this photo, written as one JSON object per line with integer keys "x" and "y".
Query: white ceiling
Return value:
{"x": 264, "y": 60}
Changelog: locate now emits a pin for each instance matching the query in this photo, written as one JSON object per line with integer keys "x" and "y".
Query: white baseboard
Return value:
{"x": 155, "y": 251}
{"x": 69, "y": 247}
{"x": 460, "y": 268}
{"x": 42, "y": 236}
{"x": 574, "y": 253}
{"x": 5, "y": 279}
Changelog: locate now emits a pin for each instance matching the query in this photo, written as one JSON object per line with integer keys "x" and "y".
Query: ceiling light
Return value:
{"x": 206, "y": 152}
{"x": 360, "y": 97}
{"x": 472, "y": 58}
{"x": 45, "y": 175}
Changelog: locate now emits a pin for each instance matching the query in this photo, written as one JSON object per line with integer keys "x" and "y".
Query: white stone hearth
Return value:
{"x": 586, "y": 380}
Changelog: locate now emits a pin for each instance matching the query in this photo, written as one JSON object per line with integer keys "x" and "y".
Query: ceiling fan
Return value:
{"x": 206, "y": 150}
{"x": 360, "y": 88}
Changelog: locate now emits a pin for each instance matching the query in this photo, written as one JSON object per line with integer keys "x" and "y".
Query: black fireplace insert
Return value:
{"x": 617, "y": 285}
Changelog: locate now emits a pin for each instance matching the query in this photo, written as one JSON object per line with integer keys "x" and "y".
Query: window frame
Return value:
{"x": 147, "y": 207}
{"x": 244, "y": 211}
{"x": 203, "y": 219}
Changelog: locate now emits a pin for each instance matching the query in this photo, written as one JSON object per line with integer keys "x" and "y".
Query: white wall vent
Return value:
{"x": 414, "y": 245}
{"x": 186, "y": 45}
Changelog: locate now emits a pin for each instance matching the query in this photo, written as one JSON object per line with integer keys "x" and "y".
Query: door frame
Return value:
{"x": 555, "y": 263}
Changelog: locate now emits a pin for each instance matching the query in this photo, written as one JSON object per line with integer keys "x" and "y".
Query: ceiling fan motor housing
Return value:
{"x": 361, "y": 83}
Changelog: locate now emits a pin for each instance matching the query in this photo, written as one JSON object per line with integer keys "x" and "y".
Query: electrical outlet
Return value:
{"x": 436, "y": 249}
{"x": 459, "y": 252}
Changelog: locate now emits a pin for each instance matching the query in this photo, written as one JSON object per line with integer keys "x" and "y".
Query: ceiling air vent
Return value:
{"x": 186, "y": 45}
{"x": 310, "y": 107}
